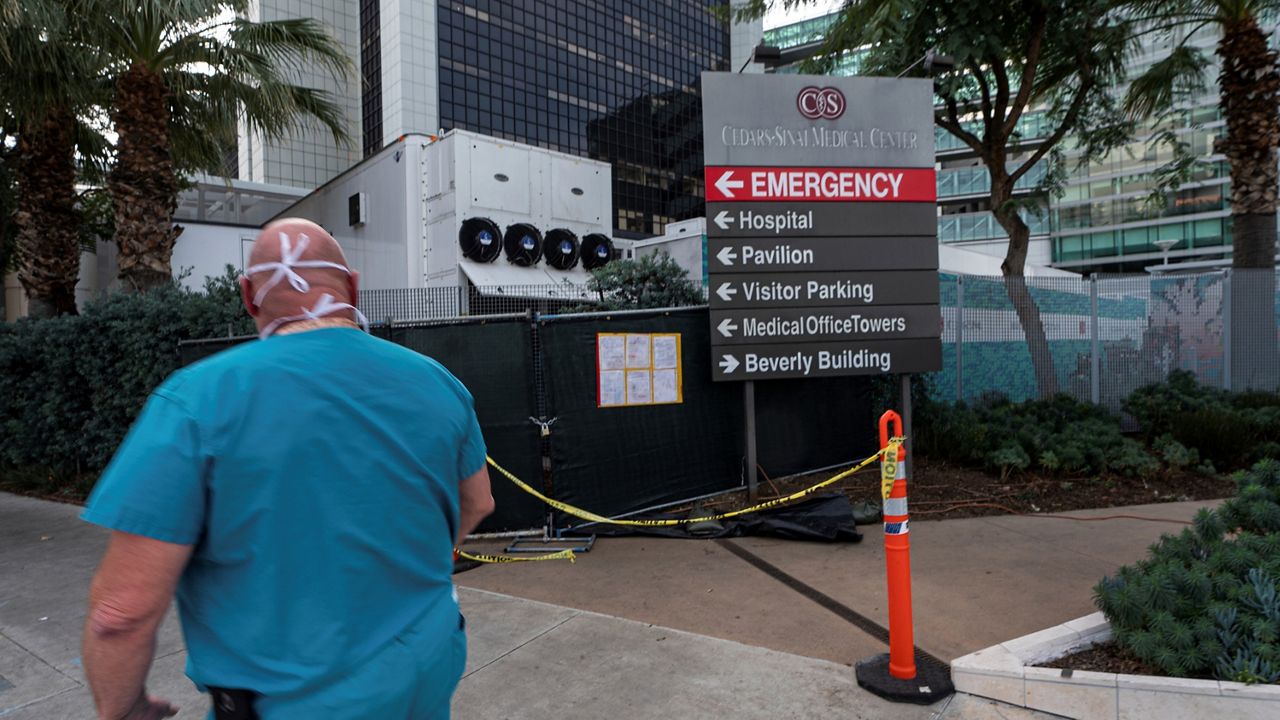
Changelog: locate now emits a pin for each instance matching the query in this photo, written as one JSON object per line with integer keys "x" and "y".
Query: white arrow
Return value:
{"x": 728, "y": 364}
{"x": 726, "y": 185}
{"x": 726, "y": 256}
{"x": 726, "y": 327}
{"x": 726, "y": 291}
{"x": 723, "y": 218}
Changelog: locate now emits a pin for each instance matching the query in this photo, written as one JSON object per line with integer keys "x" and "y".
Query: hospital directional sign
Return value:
{"x": 822, "y": 249}
{"x": 787, "y": 219}
{"x": 853, "y": 289}
{"x": 772, "y": 255}
{"x": 801, "y": 360}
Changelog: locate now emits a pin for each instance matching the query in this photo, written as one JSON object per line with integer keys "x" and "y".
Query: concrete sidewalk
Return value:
{"x": 975, "y": 582}
{"x": 681, "y": 628}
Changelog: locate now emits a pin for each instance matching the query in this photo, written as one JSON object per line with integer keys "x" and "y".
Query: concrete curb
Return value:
{"x": 1008, "y": 672}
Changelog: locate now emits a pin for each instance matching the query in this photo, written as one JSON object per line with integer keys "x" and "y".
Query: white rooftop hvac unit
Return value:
{"x": 463, "y": 209}
{"x": 513, "y": 218}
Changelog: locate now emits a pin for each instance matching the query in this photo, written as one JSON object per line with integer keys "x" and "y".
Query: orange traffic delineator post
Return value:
{"x": 896, "y": 675}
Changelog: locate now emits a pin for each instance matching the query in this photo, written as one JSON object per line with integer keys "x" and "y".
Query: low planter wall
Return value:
{"x": 1008, "y": 672}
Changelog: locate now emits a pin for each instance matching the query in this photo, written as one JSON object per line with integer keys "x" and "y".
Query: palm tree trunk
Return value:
{"x": 48, "y": 224}
{"x": 1015, "y": 284}
{"x": 144, "y": 183}
{"x": 1250, "y": 86}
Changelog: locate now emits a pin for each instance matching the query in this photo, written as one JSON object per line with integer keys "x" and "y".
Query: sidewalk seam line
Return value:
{"x": 41, "y": 660}
{"x": 29, "y": 703}
{"x": 518, "y": 647}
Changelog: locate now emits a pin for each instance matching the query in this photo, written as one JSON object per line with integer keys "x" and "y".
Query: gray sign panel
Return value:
{"x": 826, "y": 289}
{"x": 787, "y": 219}
{"x": 770, "y": 255}
{"x": 817, "y": 121}
{"x": 801, "y": 360}
{"x": 746, "y": 327}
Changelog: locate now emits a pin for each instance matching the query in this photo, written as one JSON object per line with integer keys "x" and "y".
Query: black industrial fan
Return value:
{"x": 560, "y": 248}
{"x": 597, "y": 251}
{"x": 480, "y": 239}
{"x": 523, "y": 244}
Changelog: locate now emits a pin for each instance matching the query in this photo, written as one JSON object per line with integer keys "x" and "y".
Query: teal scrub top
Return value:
{"x": 317, "y": 476}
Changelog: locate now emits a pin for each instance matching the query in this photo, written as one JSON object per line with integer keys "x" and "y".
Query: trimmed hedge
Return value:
{"x": 70, "y": 387}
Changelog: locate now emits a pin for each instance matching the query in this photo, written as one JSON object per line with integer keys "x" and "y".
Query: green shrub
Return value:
{"x": 71, "y": 386}
{"x": 1060, "y": 435}
{"x": 1206, "y": 602}
{"x": 1230, "y": 430}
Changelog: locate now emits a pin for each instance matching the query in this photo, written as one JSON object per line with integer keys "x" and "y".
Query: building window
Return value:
{"x": 616, "y": 81}
{"x": 370, "y": 77}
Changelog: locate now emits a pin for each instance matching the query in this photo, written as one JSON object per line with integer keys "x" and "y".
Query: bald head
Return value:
{"x": 291, "y": 266}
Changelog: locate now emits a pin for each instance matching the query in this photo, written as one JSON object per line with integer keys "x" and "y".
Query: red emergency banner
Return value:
{"x": 819, "y": 184}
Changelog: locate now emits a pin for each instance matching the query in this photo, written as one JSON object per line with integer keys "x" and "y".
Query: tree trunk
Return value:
{"x": 1015, "y": 284}
{"x": 48, "y": 224}
{"x": 144, "y": 183}
{"x": 1250, "y": 86}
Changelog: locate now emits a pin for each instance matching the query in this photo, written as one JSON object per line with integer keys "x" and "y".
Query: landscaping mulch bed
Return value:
{"x": 940, "y": 491}
{"x": 1107, "y": 657}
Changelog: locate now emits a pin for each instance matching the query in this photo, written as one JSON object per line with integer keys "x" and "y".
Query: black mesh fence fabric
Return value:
{"x": 616, "y": 460}
{"x": 619, "y": 460}
{"x": 491, "y": 357}
{"x": 814, "y": 423}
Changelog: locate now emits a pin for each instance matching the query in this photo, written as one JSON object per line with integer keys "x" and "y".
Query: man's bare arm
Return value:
{"x": 475, "y": 500}
{"x": 127, "y": 601}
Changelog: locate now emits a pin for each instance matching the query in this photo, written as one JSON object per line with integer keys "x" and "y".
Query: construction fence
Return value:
{"x": 536, "y": 381}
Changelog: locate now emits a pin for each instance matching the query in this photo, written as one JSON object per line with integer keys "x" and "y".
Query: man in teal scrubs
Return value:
{"x": 302, "y": 495}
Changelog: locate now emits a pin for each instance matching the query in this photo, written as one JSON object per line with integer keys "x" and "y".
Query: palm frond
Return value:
{"x": 1174, "y": 77}
{"x": 295, "y": 44}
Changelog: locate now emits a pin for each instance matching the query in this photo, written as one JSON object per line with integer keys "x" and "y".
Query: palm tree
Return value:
{"x": 1249, "y": 86}
{"x": 43, "y": 90}
{"x": 183, "y": 73}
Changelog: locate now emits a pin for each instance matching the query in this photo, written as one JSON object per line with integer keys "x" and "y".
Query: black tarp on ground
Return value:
{"x": 824, "y": 518}
{"x": 615, "y": 460}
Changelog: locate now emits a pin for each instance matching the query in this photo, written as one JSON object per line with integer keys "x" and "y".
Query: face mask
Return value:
{"x": 289, "y": 259}
{"x": 324, "y": 306}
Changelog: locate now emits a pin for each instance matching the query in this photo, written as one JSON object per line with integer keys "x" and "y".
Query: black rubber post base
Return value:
{"x": 931, "y": 683}
{"x": 463, "y": 565}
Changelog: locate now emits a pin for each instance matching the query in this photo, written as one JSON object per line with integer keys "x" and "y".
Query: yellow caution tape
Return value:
{"x": 889, "y": 469}
{"x": 593, "y": 517}
{"x": 561, "y": 555}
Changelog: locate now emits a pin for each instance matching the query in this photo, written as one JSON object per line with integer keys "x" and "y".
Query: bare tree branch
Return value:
{"x": 951, "y": 123}
{"x": 988, "y": 118}
{"x": 1035, "y": 45}
{"x": 1068, "y": 120}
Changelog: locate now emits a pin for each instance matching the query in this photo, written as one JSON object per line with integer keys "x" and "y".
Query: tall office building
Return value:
{"x": 613, "y": 80}
{"x": 1103, "y": 221}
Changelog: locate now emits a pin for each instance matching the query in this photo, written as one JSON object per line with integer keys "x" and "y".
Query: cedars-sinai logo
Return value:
{"x": 818, "y": 103}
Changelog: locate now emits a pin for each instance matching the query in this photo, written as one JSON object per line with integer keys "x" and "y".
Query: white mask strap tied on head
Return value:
{"x": 324, "y": 306}
{"x": 289, "y": 259}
